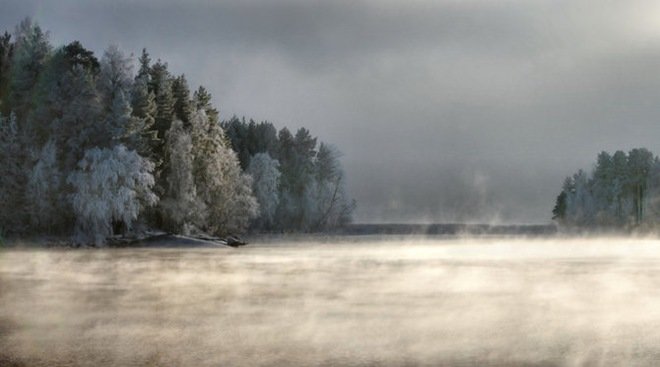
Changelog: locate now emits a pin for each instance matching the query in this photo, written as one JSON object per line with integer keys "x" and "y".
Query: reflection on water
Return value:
{"x": 358, "y": 302}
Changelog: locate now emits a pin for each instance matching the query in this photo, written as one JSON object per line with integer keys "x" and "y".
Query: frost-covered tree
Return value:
{"x": 160, "y": 84}
{"x": 110, "y": 188}
{"x": 47, "y": 209}
{"x": 621, "y": 192}
{"x": 81, "y": 128}
{"x": 221, "y": 185}
{"x": 181, "y": 208}
{"x": 202, "y": 101}
{"x": 143, "y": 137}
{"x": 332, "y": 204}
{"x": 312, "y": 194}
{"x": 115, "y": 76}
{"x": 265, "y": 185}
{"x": 135, "y": 130}
{"x": 580, "y": 208}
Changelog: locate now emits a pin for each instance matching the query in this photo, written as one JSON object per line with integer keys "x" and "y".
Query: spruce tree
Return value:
{"x": 182, "y": 101}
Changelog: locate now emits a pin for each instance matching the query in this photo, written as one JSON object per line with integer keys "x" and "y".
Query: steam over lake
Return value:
{"x": 356, "y": 301}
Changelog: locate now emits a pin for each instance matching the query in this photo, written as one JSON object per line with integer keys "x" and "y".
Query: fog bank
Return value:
{"x": 357, "y": 302}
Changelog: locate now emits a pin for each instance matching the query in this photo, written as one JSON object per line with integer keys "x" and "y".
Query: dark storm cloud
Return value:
{"x": 445, "y": 110}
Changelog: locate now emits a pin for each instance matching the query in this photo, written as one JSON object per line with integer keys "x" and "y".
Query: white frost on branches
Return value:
{"x": 110, "y": 186}
{"x": 265, "y": 172}
{"x": 181, "y": 208}
{"x": 225, "y": 190}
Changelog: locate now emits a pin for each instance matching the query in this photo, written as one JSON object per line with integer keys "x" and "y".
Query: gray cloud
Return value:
{"x": 445, "y": 110}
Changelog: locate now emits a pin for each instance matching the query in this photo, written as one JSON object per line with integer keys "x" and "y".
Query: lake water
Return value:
{"x": 345, "y": 301}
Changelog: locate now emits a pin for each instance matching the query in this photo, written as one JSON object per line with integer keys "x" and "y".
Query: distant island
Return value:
{"x": 89, "y": 150}
{"x": 622, "y": 193}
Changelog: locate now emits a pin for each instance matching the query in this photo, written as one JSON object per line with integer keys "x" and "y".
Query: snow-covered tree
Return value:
{"x": 202, "y": 101}
{"x": 621, "y": 192}
{"x": 110, "y": 187}
{"x": 332, "y": 205}
{"x": 221, "y": 185}
{"x": 182, "y": 209}
{"x": 143, "y": 136}
{"x": 580, "y": 208}
{"x": 265, "y": 185}
{"x": 115, "y": 75}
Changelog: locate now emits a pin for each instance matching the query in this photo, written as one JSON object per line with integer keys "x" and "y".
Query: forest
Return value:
{"x": 91, "y": 148}
{"x": 622, "y": 192}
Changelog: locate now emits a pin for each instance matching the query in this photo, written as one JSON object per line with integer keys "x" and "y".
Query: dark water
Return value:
{"x": 353, "y": 302}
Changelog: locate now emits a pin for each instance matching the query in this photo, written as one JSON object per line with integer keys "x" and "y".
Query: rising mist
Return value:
{"x": 352, "y": 302}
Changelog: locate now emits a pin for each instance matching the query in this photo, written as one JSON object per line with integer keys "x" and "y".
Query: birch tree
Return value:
{"x": 110, "y": 187}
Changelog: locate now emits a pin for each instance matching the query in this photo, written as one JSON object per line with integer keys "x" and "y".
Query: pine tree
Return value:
{"x": 202, "y": 101}
{"x": 145, "y": 66}
{"x": 6, "y": 53}
{"x": 79, "y": 128}
{"x": 182, "y": 101}
{"x": 161, "y": 85}
{"x": 144, "y": 137}
{"x": 31, "y": 52}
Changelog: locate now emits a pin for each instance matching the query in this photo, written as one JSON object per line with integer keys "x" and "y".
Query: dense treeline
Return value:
{"x": 91, "y": 148}
{"x": 622, "y": 192}
{"x": 299, "y": 184}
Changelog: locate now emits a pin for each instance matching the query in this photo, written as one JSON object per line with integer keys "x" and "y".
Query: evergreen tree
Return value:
{"x": 31, "y": 52}
{"x": 79, "y": 127}
{"x": 265, "y": 174}
{"x": 98, "y": 139}
{"x": 182, "y": 101}
{"x": 640, "y": 162}
{"x": 332, "y": 206}
{"x": 47, "y": 206}
{"x": 144, "y": 136}
{"x": 161, "y": 85}
{"x": 114, "y": 85}
{"x": 76, "y": 55}
{"x": 144, "y": 71}
{"x": 12, "y": 176}
{"x": 202, "y": 101}
{"x": 6, "y": 53}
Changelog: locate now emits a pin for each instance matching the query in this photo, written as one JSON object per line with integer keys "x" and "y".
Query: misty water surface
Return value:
{"x": 358, "y": 302}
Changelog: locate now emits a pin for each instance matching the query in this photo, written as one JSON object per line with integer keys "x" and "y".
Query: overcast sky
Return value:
{"x": 466, "y": 110}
